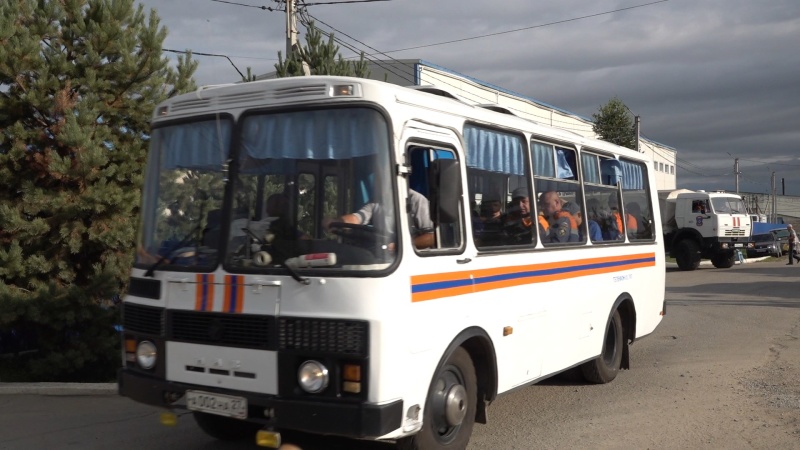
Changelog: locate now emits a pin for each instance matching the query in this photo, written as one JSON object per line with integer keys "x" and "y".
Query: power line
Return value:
{"x": 347, "y": 1}
{"x": 265, "y": 8}
{"x": 204, "y": 54}
{"x": 528, "y": 28}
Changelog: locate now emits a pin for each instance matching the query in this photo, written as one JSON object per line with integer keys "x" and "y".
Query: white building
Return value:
{"x": 415, "y": 72}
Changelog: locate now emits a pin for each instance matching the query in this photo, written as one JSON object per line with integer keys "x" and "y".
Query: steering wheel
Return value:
{"x": 360, "y": 235}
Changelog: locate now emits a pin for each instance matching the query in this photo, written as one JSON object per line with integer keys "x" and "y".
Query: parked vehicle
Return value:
{"x": 707, "y": 225}
{"x": 765, "y": 244}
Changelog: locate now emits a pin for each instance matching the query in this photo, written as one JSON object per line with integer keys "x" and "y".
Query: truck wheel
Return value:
{"x": 723, "y": 261}
{"x": 225, "y": 428}
{"x": 605, "y": 367}
{"x": 687, "y": 255}
{"x": 450, "y": 408}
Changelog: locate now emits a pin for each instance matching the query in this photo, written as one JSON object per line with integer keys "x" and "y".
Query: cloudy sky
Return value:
{"x": 715, "y": 79}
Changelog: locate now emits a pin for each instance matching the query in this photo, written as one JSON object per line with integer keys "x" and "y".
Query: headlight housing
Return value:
{"x": 313, "y": 377}
{"x": 146, "y": 355}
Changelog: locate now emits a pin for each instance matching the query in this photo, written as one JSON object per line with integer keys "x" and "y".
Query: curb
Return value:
{"x": 706, "y": 262}
{"x": 58, "y": 388}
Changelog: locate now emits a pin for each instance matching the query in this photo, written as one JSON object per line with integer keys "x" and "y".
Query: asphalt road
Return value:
{"x": 721, "y": 371}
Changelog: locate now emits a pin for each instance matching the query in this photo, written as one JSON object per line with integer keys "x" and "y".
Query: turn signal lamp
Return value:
{"x": 267, "y": 438}
{"x": 351, "y": 373}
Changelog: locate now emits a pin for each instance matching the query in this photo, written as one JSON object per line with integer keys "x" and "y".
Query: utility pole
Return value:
{"x": 637, "y": 125}
{"x": 736, "y": 173}
{"x": 774, "y": 214}
{"x": 291, "y": 33}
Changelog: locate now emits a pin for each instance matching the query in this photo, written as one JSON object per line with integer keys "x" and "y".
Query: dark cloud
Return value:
{"x": 715, "y": 79}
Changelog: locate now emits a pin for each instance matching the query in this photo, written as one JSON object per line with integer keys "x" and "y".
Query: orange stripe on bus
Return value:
{"x": 468, "y": 284}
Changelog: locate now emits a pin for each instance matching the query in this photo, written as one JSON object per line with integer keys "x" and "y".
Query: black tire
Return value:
{"x": 724, "y": 260}
{"x": 687, "y": 255}
{"x": 225, "y": 428}
{"x": 605, "y": 367}
{"x": 455, "y": 378}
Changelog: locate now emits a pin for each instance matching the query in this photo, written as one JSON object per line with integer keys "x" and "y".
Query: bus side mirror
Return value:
{"x": 445, "y": 190}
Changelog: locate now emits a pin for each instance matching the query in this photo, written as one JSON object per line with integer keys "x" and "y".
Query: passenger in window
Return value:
{"x": 614, "y": 228}
{"x": 556, "y": 224}
{"x": 593, "y": 224}
{"x": 491, "y": 212}
{"x": 698, "y": 207}
{"x": 595, "y": 233}
{"x": 643, "y": 230}
{"x": 517, "y": 223}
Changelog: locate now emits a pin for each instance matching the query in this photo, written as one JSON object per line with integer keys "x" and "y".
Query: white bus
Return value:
{"x": 254, "y": 305}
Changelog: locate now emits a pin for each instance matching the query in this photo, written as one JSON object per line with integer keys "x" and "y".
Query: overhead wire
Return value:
{"x": 558, "y": 22}
{"x": 406, "y": 76}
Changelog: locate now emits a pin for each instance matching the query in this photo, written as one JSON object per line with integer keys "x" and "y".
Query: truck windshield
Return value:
{"x": 728, "y": 205}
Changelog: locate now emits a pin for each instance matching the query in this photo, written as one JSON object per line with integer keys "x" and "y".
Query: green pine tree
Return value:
{"x": 613, "y": 123}
{"x": 323, "y": 58}
{"x": 79, "y": 80}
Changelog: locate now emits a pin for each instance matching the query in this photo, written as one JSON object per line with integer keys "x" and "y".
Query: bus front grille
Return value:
{"x": 230, "y": 330}
{"x": 341, "y": 337}
{"x": 143, "y": 319}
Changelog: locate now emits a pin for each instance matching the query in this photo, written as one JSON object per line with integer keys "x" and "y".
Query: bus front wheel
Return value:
{"x": 450, "y": 407}
{"x": 605, "y": 367}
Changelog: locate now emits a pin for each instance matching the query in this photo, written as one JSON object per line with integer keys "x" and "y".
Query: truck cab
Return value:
{"x": 704, "y": 225}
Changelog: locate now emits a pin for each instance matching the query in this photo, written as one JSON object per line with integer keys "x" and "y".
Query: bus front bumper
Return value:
{"x": 358, "y": 420}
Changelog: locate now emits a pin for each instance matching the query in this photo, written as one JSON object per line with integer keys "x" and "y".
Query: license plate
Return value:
{"x": 220, "y": 404}
{"x": 738, "y": 245}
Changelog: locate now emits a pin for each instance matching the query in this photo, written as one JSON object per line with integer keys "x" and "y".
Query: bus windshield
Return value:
{"x": 183, "y": 188}
{"x": 292, "y": 179}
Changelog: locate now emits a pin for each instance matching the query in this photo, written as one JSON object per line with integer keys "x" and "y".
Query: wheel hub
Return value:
{"x": 455, "y": 406}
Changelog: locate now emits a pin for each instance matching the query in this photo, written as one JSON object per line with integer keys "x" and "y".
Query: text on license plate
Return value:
{"x": 738, "y": 245}
{"x": 220, "y": 404}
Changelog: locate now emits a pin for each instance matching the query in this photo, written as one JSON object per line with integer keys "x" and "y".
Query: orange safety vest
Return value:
{"x": 544, "y": 223}
{"x": 633, "y": 225}
{"x": 573, "y": 224}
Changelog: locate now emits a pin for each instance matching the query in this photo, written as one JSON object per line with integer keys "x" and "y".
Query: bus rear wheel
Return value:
{"x": 450, "y": 407}
{"x": 605, "y": 367}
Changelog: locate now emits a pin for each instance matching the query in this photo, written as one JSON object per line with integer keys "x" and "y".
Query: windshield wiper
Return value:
{"x": 266, "y": 247}
{"x": 295, "y": 275}
{"x": 187, "y": 239}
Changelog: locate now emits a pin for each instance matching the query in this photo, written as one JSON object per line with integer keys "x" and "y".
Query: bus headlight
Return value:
{"x": 312, "y": 376}
{"x": 146, "y": 355}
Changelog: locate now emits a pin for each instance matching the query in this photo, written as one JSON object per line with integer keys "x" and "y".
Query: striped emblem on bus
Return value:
{"x": 441, "y": 285}
{"x": 234, "y": 294}
{"x": 204, "y": 297}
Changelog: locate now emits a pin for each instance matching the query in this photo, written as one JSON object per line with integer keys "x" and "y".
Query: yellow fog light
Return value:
{"x": 266, "y": 438}
{"x": 168, "y": 419}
